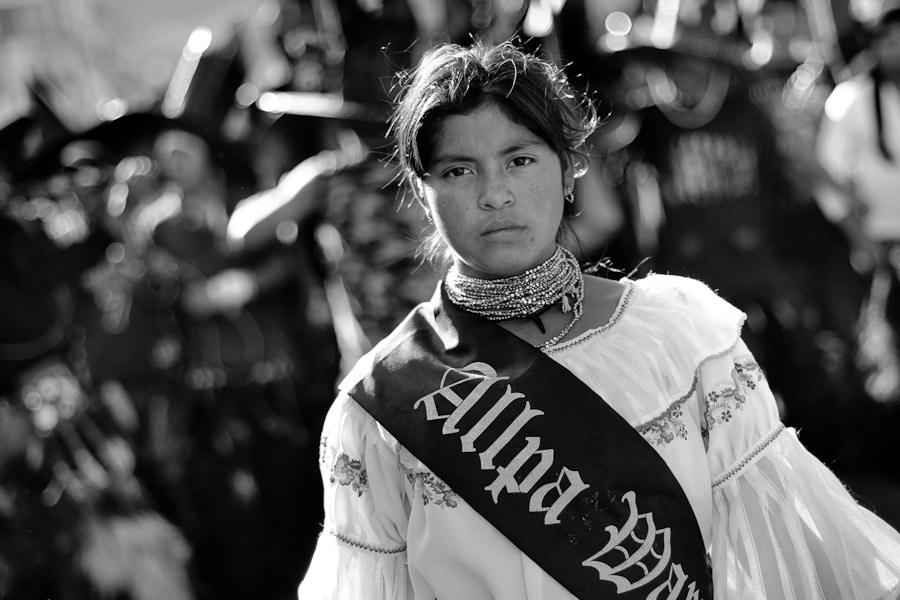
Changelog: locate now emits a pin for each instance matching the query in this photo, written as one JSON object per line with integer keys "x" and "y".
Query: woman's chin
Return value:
{"x": 506, "y": 264}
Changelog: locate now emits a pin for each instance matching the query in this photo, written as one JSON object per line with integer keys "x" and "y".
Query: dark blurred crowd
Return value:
{"x": 181, "y": 287}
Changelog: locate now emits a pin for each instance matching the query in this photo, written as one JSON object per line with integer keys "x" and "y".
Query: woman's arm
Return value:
{"x": 361, "y": 553}
{"x": 784, "y": 525}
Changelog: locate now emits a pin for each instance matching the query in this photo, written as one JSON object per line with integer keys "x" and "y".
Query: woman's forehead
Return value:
{"x": 484, "y": 127}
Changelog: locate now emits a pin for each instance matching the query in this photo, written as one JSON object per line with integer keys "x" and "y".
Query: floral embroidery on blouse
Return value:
{"x": 323, "y": 449}
{"x": 434, "y": 491}
{"x": 666, "y": 427}
{"x": 729, "y": 396}
{"x": 349, "y": 471}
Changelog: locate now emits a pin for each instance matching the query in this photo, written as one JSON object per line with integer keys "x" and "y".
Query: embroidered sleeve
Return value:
{"x": 430, "y": 489}
{"x": 783, "y": 525}
{"x": 361, "y": 552}
{"x": 667, "y": 427}
{"x": 737, "y": 408}
{"x": 346, "y": 470}
{"x": 728, "y": 396}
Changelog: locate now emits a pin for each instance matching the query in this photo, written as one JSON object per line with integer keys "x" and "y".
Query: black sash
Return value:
{"x": 538, "y": 454}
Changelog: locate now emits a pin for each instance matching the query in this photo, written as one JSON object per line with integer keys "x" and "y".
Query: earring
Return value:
{"x": 570, "y": 198}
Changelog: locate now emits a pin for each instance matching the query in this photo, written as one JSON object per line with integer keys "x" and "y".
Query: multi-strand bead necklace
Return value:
{"x": 524, "y": 296}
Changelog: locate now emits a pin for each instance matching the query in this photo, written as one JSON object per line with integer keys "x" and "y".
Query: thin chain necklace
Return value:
{"x": 524, "y": 296}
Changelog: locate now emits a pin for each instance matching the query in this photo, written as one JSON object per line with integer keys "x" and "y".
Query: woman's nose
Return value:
{"x": 495, "y": 192}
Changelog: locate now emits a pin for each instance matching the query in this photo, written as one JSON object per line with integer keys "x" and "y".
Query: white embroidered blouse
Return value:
{"x": 777, "y": 523}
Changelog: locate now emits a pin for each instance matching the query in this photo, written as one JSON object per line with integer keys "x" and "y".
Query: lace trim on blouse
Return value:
{"x": 367, "y": 547}
{"x": 749, "y": 458}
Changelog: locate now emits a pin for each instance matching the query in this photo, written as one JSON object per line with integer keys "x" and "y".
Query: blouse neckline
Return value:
{"x": 622, "y": 305}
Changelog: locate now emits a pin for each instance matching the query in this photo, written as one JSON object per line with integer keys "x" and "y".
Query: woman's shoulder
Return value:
{"x": 349, "y": 425}
{"x": 686, "y": 300}
{"x": 675, "y": 292}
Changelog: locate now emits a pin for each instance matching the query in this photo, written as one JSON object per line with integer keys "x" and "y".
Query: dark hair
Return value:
{"x": 456, "y": 80}
{"x": 890, "y": 16}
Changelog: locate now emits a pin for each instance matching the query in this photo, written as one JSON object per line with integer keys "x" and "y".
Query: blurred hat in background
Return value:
{"x": 873, "y": 14}
{"x": 889, "y": 15}
{"x": 703, "y": 28}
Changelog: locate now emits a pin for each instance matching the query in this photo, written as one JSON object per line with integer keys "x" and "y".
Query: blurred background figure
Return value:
{"x": 217, "y": 357}
{"x": 209, "y": 367}
{"x": 858, "y": 144}
{"x": 259, "y": 364}
{"x": 75, "y": 519}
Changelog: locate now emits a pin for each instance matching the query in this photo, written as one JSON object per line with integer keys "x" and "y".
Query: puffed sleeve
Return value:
{"x": 784, "y": 526}
{"x": 361, "y": 553}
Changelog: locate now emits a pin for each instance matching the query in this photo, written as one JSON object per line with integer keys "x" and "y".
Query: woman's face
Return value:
{"x": 495, "y": 192}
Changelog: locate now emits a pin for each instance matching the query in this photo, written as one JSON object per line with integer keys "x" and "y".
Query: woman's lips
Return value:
{"x": 499, "y": 227}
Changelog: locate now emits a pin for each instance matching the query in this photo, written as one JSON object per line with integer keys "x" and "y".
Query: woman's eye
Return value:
{"x": 521, "y": 161}
{"x": 456, "y": 172}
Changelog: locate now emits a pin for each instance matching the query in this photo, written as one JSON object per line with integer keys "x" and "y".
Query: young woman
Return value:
{"x": 535, "y": 432}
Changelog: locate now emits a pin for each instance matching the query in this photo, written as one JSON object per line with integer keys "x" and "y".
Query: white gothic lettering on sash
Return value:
{"x": 621, "y": 548}
{"x": 506, "y": 475}
{"x": 506, "y": 481}
{"x": 673, "y": 586}
{"x": 575, "y": 487}
{"x": 478, "y": 370}
{"x": 561, "y": 491}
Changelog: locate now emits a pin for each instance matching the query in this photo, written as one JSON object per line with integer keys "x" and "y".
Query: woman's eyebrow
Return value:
{"x": 450, "y": 158}
{"x": 512, "y": 148}
{"x": 519, "y": 145}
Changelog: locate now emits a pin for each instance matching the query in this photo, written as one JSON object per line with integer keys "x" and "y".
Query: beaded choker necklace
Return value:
{"x": 524, "y": 296}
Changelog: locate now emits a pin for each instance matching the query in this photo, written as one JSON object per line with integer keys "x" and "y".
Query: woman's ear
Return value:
{"x": 568, "y": 174}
